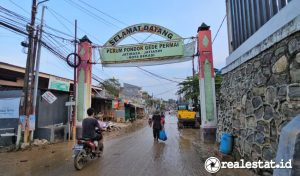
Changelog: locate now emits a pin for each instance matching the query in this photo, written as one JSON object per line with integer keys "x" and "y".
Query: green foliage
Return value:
{"x": 112, "y": 86}
{"x": 189, "y": 88}
{"x": 163, "y": 107}
{"x": 218, "y": 81}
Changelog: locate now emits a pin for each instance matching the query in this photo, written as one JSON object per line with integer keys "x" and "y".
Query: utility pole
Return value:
{"x": 37, "y": 68}
{"x": 27, "y": 89}
{"x": 74, "y": 86}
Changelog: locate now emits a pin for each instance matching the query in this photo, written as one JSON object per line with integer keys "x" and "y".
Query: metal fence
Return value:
{"x": 245, "y": 17}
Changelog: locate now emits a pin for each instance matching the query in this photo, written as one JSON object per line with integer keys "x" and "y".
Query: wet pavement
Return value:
{"x": 134, "y": 154}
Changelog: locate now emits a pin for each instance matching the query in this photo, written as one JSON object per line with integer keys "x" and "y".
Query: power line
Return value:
{"x": 64, "y": 18}
{"x": 14, "y": 28}
{"x": 86, "y": 11}
{"x": 56, "y": 44}
{"x": 97, "y": 69}
{"x": 60, "y": 22}
{"x": 47, "y": 46}
{"x": 104, "y": 13}
{"x": 161, "y": 77}
{"x": 20, "y": 7}
{"x": 12, "y": 16}
{"x": 154, "y": 85}
{"x": 95, "y": 16}
{"x": 161, "y": 93}
{"x": 58, "y": 31}
{"x": 147, "y": 74}
{"x": 4, "y": 17}
{"x": 219, "y": 28}
{"x": 62, "y": 38}
{"x": 15, "y": 4}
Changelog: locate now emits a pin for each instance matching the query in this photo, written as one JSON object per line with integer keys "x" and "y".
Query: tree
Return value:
{"x": 218, "y": 82}
{"x": 112, "y": 86}
{"x": 189, "y": 88}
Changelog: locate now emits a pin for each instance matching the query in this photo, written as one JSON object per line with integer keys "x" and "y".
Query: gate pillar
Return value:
{"x": 206, "y": 83}
{"x": 84, "y": 78}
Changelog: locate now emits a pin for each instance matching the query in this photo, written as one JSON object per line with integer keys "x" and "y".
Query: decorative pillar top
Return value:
{"x": 203, "y": 27}
{"x": 85, "y": 39}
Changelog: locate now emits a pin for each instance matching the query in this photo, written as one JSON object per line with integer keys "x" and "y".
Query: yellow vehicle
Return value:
{"x": 186, "y": 117}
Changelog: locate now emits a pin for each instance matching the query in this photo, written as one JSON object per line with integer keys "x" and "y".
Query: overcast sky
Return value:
{"x": 182, "y": 17}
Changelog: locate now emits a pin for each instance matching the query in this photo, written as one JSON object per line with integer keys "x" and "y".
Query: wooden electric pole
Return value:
{"x": 27, "y": 89}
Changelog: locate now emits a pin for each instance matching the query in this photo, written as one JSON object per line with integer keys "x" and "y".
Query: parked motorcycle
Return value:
{"x": 84, "y": 150}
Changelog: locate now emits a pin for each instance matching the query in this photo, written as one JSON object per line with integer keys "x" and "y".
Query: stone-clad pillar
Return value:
{"x": 206, "y": 83}
{"x": 84, "y": 78}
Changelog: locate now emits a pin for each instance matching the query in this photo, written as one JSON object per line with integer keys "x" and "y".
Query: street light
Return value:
{"x": 41, "y": 2}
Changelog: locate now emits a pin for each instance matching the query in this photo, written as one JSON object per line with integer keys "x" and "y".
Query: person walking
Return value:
{"x": 150, "y": 122}
{"x": 162, "y": 120}
{"x": 156, "y": 124}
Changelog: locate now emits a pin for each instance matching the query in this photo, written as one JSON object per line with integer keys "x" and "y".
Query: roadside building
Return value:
{"x": 52, "y": 120}
{"x": 102, "y": 103}
{"x": 131, "y": 96}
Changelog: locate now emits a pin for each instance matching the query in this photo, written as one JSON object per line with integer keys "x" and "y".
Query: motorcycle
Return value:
{"x": 85, "y": 150}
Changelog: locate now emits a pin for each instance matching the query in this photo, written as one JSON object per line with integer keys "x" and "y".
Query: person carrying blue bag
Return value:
{"x": 162, "y": 133}
{"x": 156, "y": 125}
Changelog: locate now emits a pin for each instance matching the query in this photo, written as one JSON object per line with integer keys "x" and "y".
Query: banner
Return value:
{"x": 9, "y": 108}
{"x": 156, "y": 53}
{"x": 172, "y": 50}
{"x": 131, "y": 53}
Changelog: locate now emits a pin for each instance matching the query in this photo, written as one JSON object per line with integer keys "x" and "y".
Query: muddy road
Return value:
{"x": 133, "y": 154}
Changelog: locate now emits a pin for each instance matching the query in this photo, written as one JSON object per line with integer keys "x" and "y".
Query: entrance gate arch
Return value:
{"x": 172, "y": 50}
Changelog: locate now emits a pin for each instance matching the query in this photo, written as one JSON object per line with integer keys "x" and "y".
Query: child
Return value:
{"x": 162, "y": 120}
{"x": 150, "y": 121}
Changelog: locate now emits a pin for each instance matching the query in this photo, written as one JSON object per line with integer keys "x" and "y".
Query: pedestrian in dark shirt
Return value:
{"x": 156, "y": 120}
{"x": 89, "y": 126}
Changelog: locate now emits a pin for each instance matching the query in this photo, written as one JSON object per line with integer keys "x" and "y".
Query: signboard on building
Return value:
{"x": 49, "y": 97}
{"x": 9, "y": 108}
{"x": 61, "y": 84}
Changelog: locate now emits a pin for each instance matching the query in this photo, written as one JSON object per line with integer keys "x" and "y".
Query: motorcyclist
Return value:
{"x": 89, "y": 127}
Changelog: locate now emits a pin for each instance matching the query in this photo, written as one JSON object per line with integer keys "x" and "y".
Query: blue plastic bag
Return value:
{"x": 163, "y": 135}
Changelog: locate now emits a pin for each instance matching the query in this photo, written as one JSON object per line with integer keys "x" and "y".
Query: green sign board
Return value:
{"x": 142, "y": 52}
{"x": 141, "y": 28}
{"x": 59, "y": 84}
